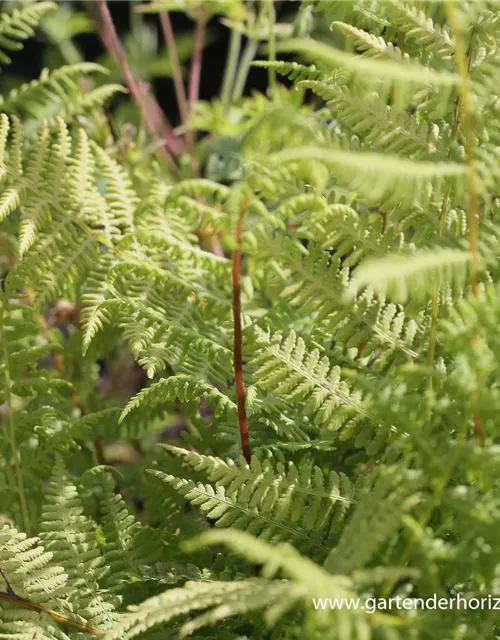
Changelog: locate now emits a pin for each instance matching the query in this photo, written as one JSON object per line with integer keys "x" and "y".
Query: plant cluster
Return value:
{"x": 252, "y": 361}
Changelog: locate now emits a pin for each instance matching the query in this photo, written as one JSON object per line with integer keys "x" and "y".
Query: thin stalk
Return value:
{"x": 272, "y": 49}
{"x": 238, "y": 337}
{"x": 442, "y": 221}
{"x": 231, "y": 66}
{"x": 194, "y": 86}
{"x": 246, "y": 61}
{"x": 470, "y": 141}
{"x": 461, "y": 57}
{"x": 16, "y": 454}
{"x": 113, "y": 42}
{"x": 13, "y": 598}
{"x": 195, "y": 73}
{"x": 180, "y": 92}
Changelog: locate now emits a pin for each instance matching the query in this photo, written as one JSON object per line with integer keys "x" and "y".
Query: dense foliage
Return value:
{"x": 318, "y": 265}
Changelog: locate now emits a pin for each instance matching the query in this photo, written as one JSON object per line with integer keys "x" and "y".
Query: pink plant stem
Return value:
{"x": 180, "y": 93}
{"x": 182, "y": 102}
{"x": 112, "y": 42}
{"x": 194, "y": 77}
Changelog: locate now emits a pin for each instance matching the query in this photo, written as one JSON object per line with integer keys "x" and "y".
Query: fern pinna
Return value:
{"x": 318, "y": 264}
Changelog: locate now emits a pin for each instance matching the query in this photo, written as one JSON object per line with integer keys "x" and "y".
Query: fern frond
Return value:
{"x": 272, "y": 501}
{"x": 94, "y": 314}
{"x": 292, "y": 70}
{"x": 19, "y": 26}
{"x": 118, "y": 191}
{"x": 291, "y": 372}
{"x": 184, "y": 388}
{"x": 402, "y": 77}
{"x": 380, "y": 126}
{"x": 380, "y": 177}
{"x": 311, "y": 581}
{"x": 417, "y": 26}
{"x": 222, "y": 598}
{"x": 56, "y": 86}
{"x": 370, "y": 45}
{"x": 286, "y": 483}
{"x": 30, "y": 567}
{"x": 70, "y": 537}
{"x": 405, "y": 276}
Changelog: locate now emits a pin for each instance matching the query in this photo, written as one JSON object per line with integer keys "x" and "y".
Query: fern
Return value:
{"x": 59, "y": 87}
{"x": 295, "y": 294}
{"x": 19, "y": 26}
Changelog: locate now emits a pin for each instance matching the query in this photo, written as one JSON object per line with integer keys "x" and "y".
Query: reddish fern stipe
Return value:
{"x": 60, "y": 618}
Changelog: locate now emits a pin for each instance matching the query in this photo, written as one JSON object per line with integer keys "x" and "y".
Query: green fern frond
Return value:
{"x": 272, "y": 501}
{"x": 405, "y": 276}
{"x": 380, "y": 126}
{"x": 94, "y": 314}
{"x": 184, "y": 388}
{"x": 370, "y": 45}
{"x": 222, "y": 598}
{"x": 19, "y": 26}
{"x": 30, "y": 567}
{"x": 118, "y": 192}
{"x": 289, "y": 371}
{"x": 420, "y": 28}
{"x": 70, "y": 537}
{"x": 311, "y": 581}
{"x": 380, "y": 177}
{"x": 402, "y": 77}
{"x": 292, "y": 70}
{"x": 56, "y": 86}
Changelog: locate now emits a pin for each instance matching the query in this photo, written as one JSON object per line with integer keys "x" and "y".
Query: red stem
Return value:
{"x": 180, "y": 93}
{"x": 195, "y": 74}
{"x": 112, "y": 42}
{"x": 238, "y": 340}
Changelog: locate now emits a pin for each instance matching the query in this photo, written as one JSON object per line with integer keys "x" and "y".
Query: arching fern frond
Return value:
{"x": 380, "y": 177}
{"x": 402, "y": 77}
{"x": 370, "y": 45}
{"x": 184, "y": 388}
{"x": 292, "y": 70}
{"x": 222, "y": 599}
{"x": 19, "y": 26}
{"x": 52, "y": 87}
{"x": 401, "y": 277}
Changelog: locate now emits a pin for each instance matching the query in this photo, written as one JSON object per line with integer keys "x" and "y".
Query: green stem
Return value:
{"x": 272, "y": 50}
{"x": 442, "y": 222}
{"x": 246, "y": 61}
{"x": 16, "y": 454}
{"x": 470, "y": 141}
{"x": 231, "y": 66}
